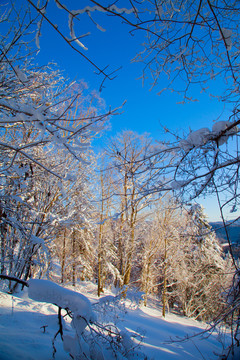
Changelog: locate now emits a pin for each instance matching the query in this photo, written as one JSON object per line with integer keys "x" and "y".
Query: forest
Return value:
{"x": 127, "y": 216}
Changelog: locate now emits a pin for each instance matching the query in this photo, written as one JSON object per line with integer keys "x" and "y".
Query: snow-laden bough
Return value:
{"x": 47, "y": 291}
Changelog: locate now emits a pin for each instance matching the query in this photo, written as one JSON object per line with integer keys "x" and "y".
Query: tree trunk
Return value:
{"x": 147, "y": 281}
{"x": 164, "y": 293}
{"x": 132, "y": 241}
{"x": 100, "y": 275}
{"x": 129, "y": 258}
{"x": 3, "y": 231}
{"x": 3, "y": 247}
{"x": 63, "y": 257}
{"x": 100, "y": 289}
{"x": 74, "y": 260}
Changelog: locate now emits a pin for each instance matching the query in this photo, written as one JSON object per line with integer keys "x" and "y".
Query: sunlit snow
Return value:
{"x": 27, "y": 327}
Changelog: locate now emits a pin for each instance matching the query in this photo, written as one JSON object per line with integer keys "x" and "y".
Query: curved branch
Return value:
{"x": 224, "y": 40}
{"x": 69, "y": 42}
{"x": 12, "y": 278}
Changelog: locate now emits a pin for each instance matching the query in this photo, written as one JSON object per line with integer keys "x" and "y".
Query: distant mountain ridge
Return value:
{"x": 233, "y": 231}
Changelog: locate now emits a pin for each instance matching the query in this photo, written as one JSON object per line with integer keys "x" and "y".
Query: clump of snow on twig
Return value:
{"x": 220, "y": 127}
{"x": 201, "y": 136}
{"x": 177, "y": 184}
{"x": 195, "y": 138}
{"x": 227, "y": 33}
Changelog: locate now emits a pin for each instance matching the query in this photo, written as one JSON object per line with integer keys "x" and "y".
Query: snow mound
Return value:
{"x": 49, "y": 292}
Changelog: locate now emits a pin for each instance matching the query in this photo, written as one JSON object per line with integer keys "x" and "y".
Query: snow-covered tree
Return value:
{"x": 205, "y": 34}
{"x": 183, "y": 263}
{"x": 160, "y": 240}
{"x": 107, "y": 270}
{"x": 127, "y": 151}
{"x": 47, "y": 125}
{"x": 187, "y": 45}
{"x": 201, "y": 274}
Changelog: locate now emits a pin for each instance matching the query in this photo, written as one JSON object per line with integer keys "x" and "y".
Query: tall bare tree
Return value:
{"x": 127, "y": 152}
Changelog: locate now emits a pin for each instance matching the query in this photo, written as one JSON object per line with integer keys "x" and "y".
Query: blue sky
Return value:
{"x": 145, "y": 111}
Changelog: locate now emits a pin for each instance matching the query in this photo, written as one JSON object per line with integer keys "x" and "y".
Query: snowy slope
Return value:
{"x": 23, "y": 337}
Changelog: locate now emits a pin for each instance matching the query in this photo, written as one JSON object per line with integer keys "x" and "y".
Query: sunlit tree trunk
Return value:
{"x": 105, "y": 182}
{"x": 120, "y": 244}
{"x": 164, "y": 293}
{"x": 3, "y": 247}
{"x": 63, "y": 259}
{"x": 147, "y": 277}
{"x": 74, "y": 258}
{"x": 131, "y": 249}
{"x": 100, "y": 287}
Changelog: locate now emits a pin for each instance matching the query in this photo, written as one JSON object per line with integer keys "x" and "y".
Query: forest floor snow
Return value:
{"x": 27, "y": 329}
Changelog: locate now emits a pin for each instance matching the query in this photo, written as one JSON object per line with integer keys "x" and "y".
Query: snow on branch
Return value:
{"x": 226, "y": 34}
{"x": 97, "y": 7}
{"x": 84, "y": 345}
{"x": 47, "y": 291}
{"x": 221, "y": 131}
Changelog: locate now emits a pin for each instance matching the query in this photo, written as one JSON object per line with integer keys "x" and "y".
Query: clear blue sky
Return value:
{"x": 144, "y": 111}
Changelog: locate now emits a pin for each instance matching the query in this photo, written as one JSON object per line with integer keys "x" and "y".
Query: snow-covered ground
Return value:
{"x": 27, "y": 329}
